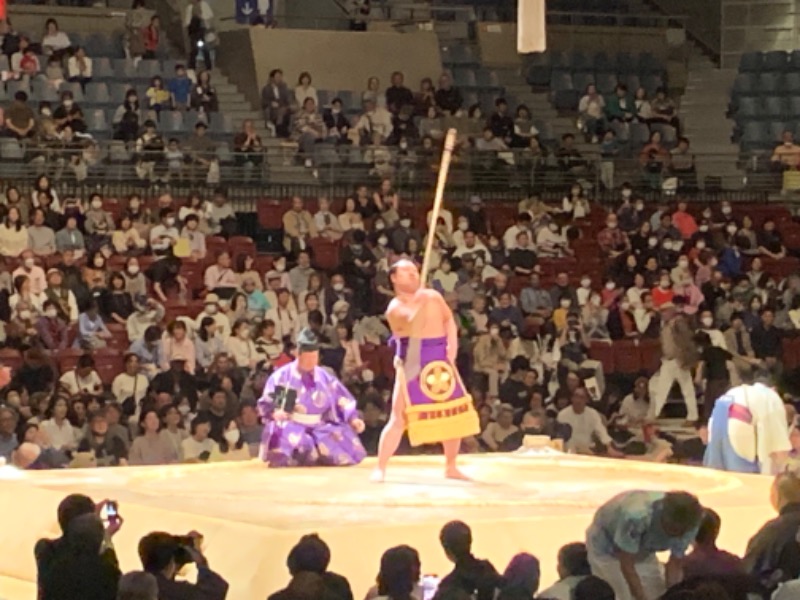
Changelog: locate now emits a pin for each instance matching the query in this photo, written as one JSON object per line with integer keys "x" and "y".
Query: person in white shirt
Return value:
{"x": 550, "y": 242}
{"x": 634, "y": 294}
{"x": 523, "y": 223}
{"x": 327, "y": 223}
{"x": 584, "y": 291}
{"x": 32, "y": 271}
{"x": 747, "y": 432}
{"x": 283, "y": 315}
{"x": 471, "y": 245}
{"x": 305, "y": 90}
{"x": 444, "y": 279}
{"x": 444, "y": 214}
{"x": 79, "y": 66}
{"x": 240, "y": 346}
{"x": 164, "y": 235}
{"x": 588, "y": 429}
{"x": 635, "y": 406}
{"x": 130, "y": 383}
{"x": 54, "y": 40}
{"x": 211, "y": 309}
{"x": 198, "y": 447}
{"x": 573, "y": 567}
{"x": 83, "y": 380}
{"x": 60, "y": 432}
{"x": 497, "y": 431}
{"x": 375, "y": 119}
{"x": 707, "y": 326}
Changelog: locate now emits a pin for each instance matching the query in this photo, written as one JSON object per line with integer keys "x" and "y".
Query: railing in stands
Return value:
{"x": 336, "y": 171}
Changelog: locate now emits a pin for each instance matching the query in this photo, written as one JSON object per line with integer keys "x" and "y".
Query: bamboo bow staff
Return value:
{"x": 444, "y": 167}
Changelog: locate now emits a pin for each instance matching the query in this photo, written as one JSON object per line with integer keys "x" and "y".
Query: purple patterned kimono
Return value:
{"x": 318, "y": 431}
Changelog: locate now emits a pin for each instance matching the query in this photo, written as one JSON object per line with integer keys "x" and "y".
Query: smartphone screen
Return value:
{"x": 430, "y": 585}
{"x": 110, "y": 513}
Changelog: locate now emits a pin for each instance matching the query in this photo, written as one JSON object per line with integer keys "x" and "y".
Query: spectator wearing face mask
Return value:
{"x": 612, "y": 241}
{"x": 240, "y": 346}
{"x": 52, "y": 330}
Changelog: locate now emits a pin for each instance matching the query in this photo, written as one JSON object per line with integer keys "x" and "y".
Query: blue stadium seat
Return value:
{"x": 775, "y": 60}
{"x": 581, "y": 80}
{"x": 639, "y": 135}
{"x": 117, "y": 91}
{"x": 96, "y": 120}
{"x": 748, "y": 109}
{"x": 171, "y": 121}
{"x": 794, "y": 60}
{"x": 11, "y": 150}
{"x": 566, "y": 100}
{"x": 750, "y": 62}
{"x": 776, "y": 107}
{"x": 561, "y": 80}
{"x": 607, "y": 83}
{"x": 74, "y": 87}
{"x": 97, "y": 93}
{"x": 791, "y": 83}
{"x": 124, "y": 70}
{"x": 622, "y": 131}
{"x": 102, "y": 69}
{"x": 220, "y": 123}
{"x": 4, "y": 66}
{"x": 147, "y": 69}
{"x": 546, "y": 134}
{"x": 349, "y": 100}
{"x": 488, "y": 78}
{"x": 669, "y": 135}
{"x": 578, "y": 61}
{"x": 626, "y": 64}
{"x": 100, "y": 44}
{"x": 559, "y": 60}
{"x": 538, "y": 70}
{"x": 464, "y": 77}
{"x": 776, "y": 129}
{"x": 325, "y": 97}
{"x": 632, "y": 82}
{"x": 769, "y": 84}
{"x": 470, "y": 98}
{"x": 603, "y": 62}
{"x": 755, "y": 136}
{"x": 794, "y": 107}
{"x": 649, "y": 64}
{"x": 651, "y": 83}
{"x": 745, "y": 84}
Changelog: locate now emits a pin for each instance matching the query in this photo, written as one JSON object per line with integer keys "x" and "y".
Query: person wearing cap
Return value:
{"x": 61, "y": 297}
{"x": 146, "y": 313}
{"x": 211, "y": 309}
{"x": 310, "y": 417}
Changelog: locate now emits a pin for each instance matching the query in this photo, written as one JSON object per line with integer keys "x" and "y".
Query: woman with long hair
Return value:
{"x": 208, "y": 345}
{"x": 172, "y": 429}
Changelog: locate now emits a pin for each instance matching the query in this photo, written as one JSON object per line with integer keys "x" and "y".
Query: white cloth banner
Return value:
{"x": 531, "y": 36}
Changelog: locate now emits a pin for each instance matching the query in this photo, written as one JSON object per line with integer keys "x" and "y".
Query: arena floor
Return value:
{"x": 251, "y": 516}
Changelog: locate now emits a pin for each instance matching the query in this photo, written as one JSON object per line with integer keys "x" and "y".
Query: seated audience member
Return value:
{"x": 81, "y": 570}
{"x": 199, "y": 447}
{"x": 50, "y": 552}
{"x": 520, "y": 579}
{"x": 150, "y": 448}
{"x": 476, "y": 577}
{"x": 298, "y": 226}
{"x": 58, "y": 429}
{"x": 107, "y": 450}
{"x": 52, "y": 329}
{"x": 92, "y": 331}
{"x": 310, "y": 558}
{"x": 706, "y": 559}
{"x": 220, "y": 278}
{"x": 160, "y": 553}
{"x": 573, "y": 567}
{"x": 772, "y": 553}
{"x": 589, "y": 434}
{"x": 497, "y": 431}
{"x": 177, "y": 345}
{"x": 594, "y": 588}
{"x": 787, "y": 153}
{"x": 83, "y": 380}
{"x": 137, "y": 585}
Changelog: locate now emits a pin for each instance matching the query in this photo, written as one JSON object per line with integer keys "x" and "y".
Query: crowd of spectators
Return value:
{"x": 616, "y": 560}
{"x": 200, "y": 329}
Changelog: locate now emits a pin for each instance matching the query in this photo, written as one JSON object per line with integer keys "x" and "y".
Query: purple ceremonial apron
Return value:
{"x": 438, "y": 407}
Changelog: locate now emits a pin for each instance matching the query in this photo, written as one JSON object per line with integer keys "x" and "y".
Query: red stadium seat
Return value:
{"x": 627, "y": 357}
{"x": 108, "y": 365}
{"x": 326, "y": 253}
{"x": 603, "y": 352}
{"x": 650, "y": 354}
{"x": 791, "y": 353}
{"x": 240, "y": 244}
{"x": 270, "y": 213}
{"x": 67, "y": 359}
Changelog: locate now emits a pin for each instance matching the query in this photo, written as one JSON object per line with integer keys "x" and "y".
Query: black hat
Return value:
{"x": 307, "y": 341}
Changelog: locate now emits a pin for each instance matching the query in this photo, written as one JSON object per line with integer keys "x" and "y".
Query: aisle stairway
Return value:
{"x": 702, "y": 111}
{"x": 281, "y": 167}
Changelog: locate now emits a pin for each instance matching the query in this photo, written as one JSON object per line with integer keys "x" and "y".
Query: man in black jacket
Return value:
{"x": 773, "y": 554}
{"x": 475, "y": 576}
{"x": 49, "y": 552}
{"x": 162, "y": 554}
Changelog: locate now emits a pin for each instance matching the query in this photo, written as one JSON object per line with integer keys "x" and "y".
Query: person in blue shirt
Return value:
{"x": 628, "y": 531}
{"x": 148, "y": 349}
{"x": 92, "y": 331}
{"x": 257, "y": 303}
{"x": 181, "y": 88}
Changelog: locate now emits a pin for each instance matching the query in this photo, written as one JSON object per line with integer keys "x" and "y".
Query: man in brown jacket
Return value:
{"x": 298, "y": 227}
{"x": 679, "y": 355}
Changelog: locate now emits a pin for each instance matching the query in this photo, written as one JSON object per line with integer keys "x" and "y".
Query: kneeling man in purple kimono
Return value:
{"x": 310, "y": 418}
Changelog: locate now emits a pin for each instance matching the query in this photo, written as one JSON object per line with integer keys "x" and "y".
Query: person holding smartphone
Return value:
{"x": 50, "y": 552}
{"x": 163, "y": 555}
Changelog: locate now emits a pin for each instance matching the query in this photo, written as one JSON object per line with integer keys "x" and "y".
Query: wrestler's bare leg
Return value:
{"x": 392, "y": 434}
{"x": 451, "y": 471}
